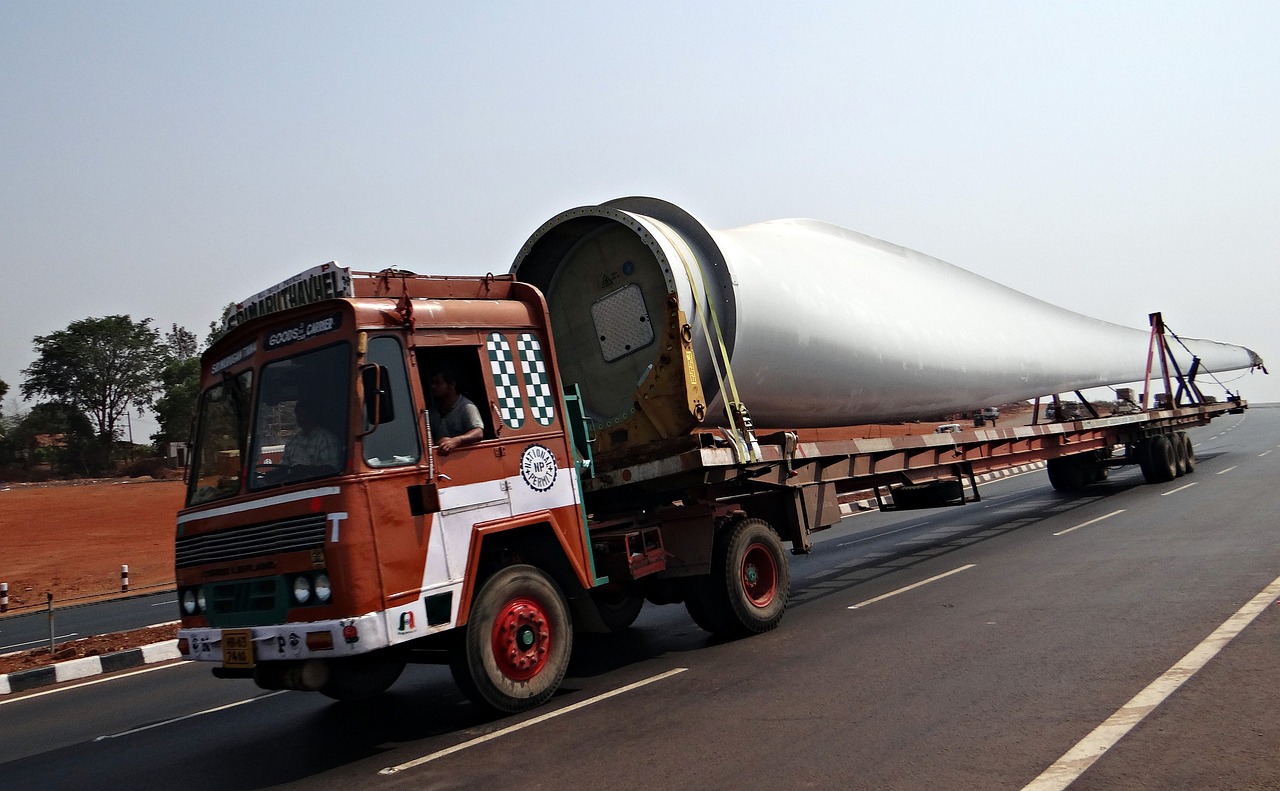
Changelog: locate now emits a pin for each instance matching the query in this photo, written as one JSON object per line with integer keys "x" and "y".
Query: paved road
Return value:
{"x": 960, "y": 648}
{"x": 31, "y": 629}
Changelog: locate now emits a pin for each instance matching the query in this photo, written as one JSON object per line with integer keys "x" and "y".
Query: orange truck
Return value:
{"x": 333, "y": 533}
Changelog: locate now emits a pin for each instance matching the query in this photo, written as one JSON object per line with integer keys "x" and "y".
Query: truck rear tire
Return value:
{"x": 1161, "y": 465}
{"x": 1189, "y": 451}
{"x": 1179, "y": 454}
{"x": 750, "y": 582}
{"x": 617, "y": 610}
{"x": 516, "y": 645}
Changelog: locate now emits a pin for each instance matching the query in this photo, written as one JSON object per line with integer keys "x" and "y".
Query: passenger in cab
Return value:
{"x": 455, "y": 419}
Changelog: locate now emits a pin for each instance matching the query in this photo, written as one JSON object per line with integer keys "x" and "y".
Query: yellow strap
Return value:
{"x": 724, "y": 352}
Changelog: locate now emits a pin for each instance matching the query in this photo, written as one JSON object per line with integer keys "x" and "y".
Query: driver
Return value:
{"x": 312, "y": 445}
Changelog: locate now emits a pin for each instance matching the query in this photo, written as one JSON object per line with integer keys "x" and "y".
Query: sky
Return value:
{"x": 161, "y": 159}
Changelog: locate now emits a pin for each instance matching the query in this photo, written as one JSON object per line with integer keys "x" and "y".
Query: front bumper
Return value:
{"x": 293, "y": 641}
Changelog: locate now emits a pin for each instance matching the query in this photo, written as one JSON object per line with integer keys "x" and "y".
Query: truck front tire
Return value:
{"x": 516, "y": 645}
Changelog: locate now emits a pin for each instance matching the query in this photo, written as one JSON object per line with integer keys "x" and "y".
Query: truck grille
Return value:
{"x": 288, "y": 535}
{"x": 241, "y": 597}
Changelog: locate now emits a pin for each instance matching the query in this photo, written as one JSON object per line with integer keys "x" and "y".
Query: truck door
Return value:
{"x": 470, "y": 480}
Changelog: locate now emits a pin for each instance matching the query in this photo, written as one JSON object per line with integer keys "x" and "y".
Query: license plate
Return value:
{"x": 237, "y": 648}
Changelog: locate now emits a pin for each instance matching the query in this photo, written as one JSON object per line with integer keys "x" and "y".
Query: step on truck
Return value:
{"x": 330, "y": 536}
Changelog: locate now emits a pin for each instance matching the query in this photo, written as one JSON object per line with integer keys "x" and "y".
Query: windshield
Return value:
{"x": 224, "y": 430}
{"x": 301, "y": 427}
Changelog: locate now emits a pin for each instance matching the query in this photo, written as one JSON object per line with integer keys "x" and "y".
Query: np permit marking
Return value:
{"x": 538, "y": 468}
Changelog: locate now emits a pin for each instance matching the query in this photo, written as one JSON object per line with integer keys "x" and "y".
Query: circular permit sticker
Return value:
{"x": 538, "y": 468}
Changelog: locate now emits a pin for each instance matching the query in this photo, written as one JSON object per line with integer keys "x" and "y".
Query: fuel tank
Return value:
{"x": 660, "y": 321}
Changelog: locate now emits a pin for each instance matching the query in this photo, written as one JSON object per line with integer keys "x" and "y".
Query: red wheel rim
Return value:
{"x": 759, "y": 575}
{"x": 521, "y": 639}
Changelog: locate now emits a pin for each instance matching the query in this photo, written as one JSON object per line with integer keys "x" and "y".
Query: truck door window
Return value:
{"x": 463, "y": 364}
{"x": 394, "y": 442}
{"x": 301, "y": 424}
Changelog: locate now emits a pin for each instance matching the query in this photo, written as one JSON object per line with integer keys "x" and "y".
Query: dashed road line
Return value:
{"x": 913, "y": 586}
{"x": 1227, "y": 470}
{"x": 1079, "y": 758}
{"x": 1179, "y": 489}
{"x": 488, "y": 737}
{"x": 1264, "y": 453}
{"x": 190, "y": 716}
{"x": 1090, "y": 522}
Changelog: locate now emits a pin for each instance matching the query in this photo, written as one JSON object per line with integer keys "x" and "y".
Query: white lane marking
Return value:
{"x": 1265, "y": 452}
{"x": 103, "y": 680}
{"x": 935, "y": 578}
{"x": 158, "y": 625}
{"x": 190, "y": 716}
{"x": 1180, "y": 488}
{"x": 165, "y": 603}
{"x": 1229, "y": 469}
{"x": 880, "y": 535}
{"x": 45, "y": 641}
{"x": 1070, "y": 766}
{"x": 1090, "y": 522}
{"x": 390, "y": 770}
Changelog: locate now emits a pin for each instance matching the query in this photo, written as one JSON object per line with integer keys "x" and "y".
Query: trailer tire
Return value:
{"x": 1179, "y": 454}
{"x": 362, "y": 677}
{"x": 515, "y": 647}
{"x": 1162, "y": 461}
{"x": 1068, "y": 474}
{"x": 1142, "y": 453}
{"x": 749, "y": 584}
{"x": 1189, "y": 452}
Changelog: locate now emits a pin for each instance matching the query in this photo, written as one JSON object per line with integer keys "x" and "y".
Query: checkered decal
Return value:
{"x": 503, "y": 368}
{"x": 537, "y": 384}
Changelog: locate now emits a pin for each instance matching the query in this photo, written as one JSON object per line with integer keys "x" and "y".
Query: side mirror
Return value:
{"x": 376, "y": 383}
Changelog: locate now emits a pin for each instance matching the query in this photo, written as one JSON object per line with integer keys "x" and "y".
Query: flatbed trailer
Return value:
{"x": 799, "y": 481}
{"x": 330, "y": 535}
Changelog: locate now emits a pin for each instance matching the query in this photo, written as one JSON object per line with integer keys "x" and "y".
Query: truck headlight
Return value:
{"x": 323, "y": 589}
{"x": 301, "y": 590}
{"x": 189, "y": 605}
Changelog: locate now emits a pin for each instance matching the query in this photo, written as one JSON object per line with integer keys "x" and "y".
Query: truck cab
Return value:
{"x": 326, "y": 538}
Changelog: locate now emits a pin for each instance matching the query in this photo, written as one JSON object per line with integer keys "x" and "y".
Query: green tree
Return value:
{"x": 100, "y": 367}
{"x": 180, "y": 343}
{"x": 219, "y": 327}
{"x": 179, "y": 388}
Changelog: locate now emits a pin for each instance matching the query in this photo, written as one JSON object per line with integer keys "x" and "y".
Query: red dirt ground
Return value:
{"x": 70, "y": 539}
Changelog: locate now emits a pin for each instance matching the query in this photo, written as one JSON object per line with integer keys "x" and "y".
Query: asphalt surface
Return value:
{"x": 30, "y": 629}
{"x": 958, "y": 648}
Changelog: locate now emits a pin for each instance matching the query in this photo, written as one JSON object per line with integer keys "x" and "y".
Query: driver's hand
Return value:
{"x": 447, "y": 444}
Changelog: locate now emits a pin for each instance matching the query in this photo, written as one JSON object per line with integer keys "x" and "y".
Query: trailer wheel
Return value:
{"x": 749, "y": 584}
{"x": 1162, "y": 466}
{"x": 515, "y": 647}
{"x": 1179, "y": 454}
{"x": 1189, "y": 452}
{"x": 1067, "y": 474}
{"x": 364, "y": 676}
